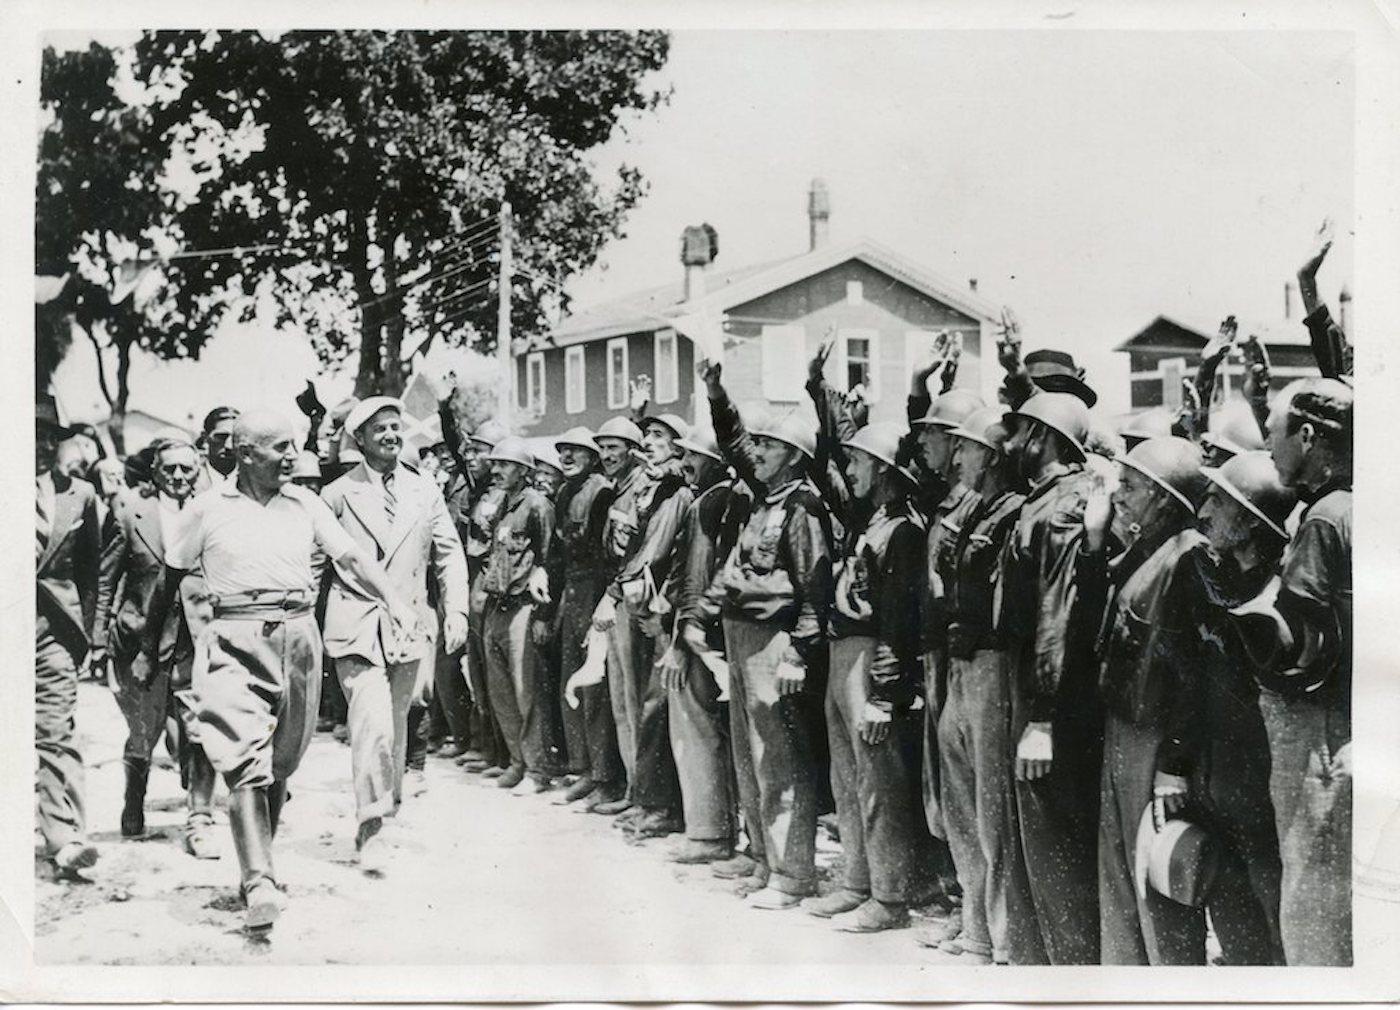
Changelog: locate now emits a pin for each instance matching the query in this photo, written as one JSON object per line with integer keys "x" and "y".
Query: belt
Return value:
{"x": 264, "y": 605}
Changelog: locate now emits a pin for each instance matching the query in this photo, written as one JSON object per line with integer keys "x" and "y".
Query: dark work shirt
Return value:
{"x": 874, "y": 579}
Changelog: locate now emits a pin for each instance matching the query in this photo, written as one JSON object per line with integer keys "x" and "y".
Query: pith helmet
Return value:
{"x": 1252, "y": 480}
{"x": 949, "y": 410}
{"x": 1154, "y": 423}
{"x": 544, "y": 452}
{"x": 791, "y": 429}
{"x": 703, "y": 441}
{"x": 578, "y": 438}
{"x": 985, "y": 427}
{"x": 673, "y": 423}
{"x": 489, "y": 433}
{"x": 1234, "y": 429}
{"x": 512, "y": 449}
{"x": 1173, "y": 464}
{"x": 880, "y": 439}
{"x": 622, "y": 428}
{"x": 1062, "y": 413}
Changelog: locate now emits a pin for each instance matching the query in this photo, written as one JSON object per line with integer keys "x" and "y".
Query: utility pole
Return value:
{"x": 506, "y": 403}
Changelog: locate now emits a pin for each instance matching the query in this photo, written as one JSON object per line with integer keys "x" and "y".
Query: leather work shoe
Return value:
{"x": 265, "y": 904}
{"x": 961, "y": 944}
{"x": 74, "y": 856}
{"x": 739, "y": 865}
{"x": 628, "y": 818}
{"x": 873, "y": 916}
{"x": 510, "y": 778}
{"x": 773, "y": 900}
{"x": 584, "y": 786}
{"x": 415, "y": 782}
{"x": 470, "y": 757}
{"x": 198, "y": 842}
{"x": 494, "y": 772}
{"x": 695, "y": 851}
{"x": 937, "y": 930}
{"x": 835, "y": 903}
{"x": 609, "y": 808}
{"x": 657, "y": 824}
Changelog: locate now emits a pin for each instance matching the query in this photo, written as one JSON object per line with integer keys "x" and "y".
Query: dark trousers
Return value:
{"x": 1058, "y": 819}
{"x": 1312, "y": 806}
{"x": 976, "y": 781}
{"x": 637, "y": 689}
{"x": 773, "y": 757}
{"x": 450, "y": 693}
{"x": 699, "y": 728}
{"x": 876, "y": 787}
{"x": 506, "y": 639}
{"x": 486, "y": 735}
{"x": 58, "y": 782}
{"x": 590, "y": 732}
{"x": 1151, "y": 929}
{"x": 542, "y": 730}
{"x": 1230, "y": 792}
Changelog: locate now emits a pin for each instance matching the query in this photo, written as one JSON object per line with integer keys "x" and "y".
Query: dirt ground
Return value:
{"x": 474, "y": 870}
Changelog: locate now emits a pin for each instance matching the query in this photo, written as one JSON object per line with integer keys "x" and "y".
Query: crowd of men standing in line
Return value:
{"x": 1069, "y": 692}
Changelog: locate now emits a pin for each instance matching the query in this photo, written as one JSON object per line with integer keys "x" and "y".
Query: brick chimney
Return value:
{"x": 818, "y": 215}
{"x": 699, "y": 247}
{"x": 1287, "y": 299}
{"x": 972, "y": 284}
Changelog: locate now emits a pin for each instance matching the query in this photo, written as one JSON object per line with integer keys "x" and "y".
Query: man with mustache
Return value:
{"x": 1056, "y": 730}
{"x": 257, "y": 665}
{"x": 133, "y": 563}
{"x": 584, "y": 571}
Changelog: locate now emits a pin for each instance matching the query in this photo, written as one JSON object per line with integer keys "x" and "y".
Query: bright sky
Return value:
{"x": 1089, "y": 179}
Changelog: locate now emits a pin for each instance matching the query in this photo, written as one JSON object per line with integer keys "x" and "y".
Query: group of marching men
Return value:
{"x": 1071, "y": 692}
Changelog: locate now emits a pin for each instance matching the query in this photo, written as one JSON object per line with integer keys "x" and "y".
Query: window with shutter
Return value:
{"x": 666, "y": 368}
{"x": 534, "y": 382}
{"x": 784, "y": 352}
{"x": 618, "y": 393}
{"x": 858, "y": 362}
{"x": 575, "y": 395}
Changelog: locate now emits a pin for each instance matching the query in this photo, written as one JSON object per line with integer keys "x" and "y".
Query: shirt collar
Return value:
{"x": 376, "y": 478}
{"x": 778, "y": 494}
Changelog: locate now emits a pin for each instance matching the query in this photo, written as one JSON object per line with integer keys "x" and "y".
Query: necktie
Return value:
{"x": 42, "y": 525}
{"x": 389, "y": 501}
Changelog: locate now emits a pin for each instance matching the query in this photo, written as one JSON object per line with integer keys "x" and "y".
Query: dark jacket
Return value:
{"x": 66, "y": 566}
{"x": 872, "y": 598}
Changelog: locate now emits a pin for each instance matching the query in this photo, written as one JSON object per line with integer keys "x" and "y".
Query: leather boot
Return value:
{"x": 134, "y": 806}
{"x": 252, "y": 838}
{"x": 276, "y": 799}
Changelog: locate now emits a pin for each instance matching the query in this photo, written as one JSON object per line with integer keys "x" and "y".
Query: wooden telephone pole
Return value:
{"x": 505, "y": 406}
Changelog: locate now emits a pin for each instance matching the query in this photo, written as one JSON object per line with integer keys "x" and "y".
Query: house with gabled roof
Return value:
{"x": 1168, "y": 349}
{"x": 768, "y": 319}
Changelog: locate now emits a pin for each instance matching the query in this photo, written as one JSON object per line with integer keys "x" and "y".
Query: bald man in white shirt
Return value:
{"x": 257, "y": 671}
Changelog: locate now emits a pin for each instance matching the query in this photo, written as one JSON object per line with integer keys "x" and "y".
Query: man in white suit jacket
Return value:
{"x": 399, "y": 517}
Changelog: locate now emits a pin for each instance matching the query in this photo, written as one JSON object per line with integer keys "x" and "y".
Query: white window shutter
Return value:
{"x": 784, "y": 351}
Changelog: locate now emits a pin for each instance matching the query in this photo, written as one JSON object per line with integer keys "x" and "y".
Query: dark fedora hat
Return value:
{"x": 46, "y": 416}
{"x": 1056, "y": 372}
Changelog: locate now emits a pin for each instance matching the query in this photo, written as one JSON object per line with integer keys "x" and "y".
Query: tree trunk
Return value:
{"x": 116, "y": 424}
{"x": 370, "y": 374}
{"x": 392, "y": 381}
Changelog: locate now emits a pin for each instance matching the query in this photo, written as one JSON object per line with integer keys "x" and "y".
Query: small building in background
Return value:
{"x": 1168, "y": 349}
{"x": 883, "y": 310}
